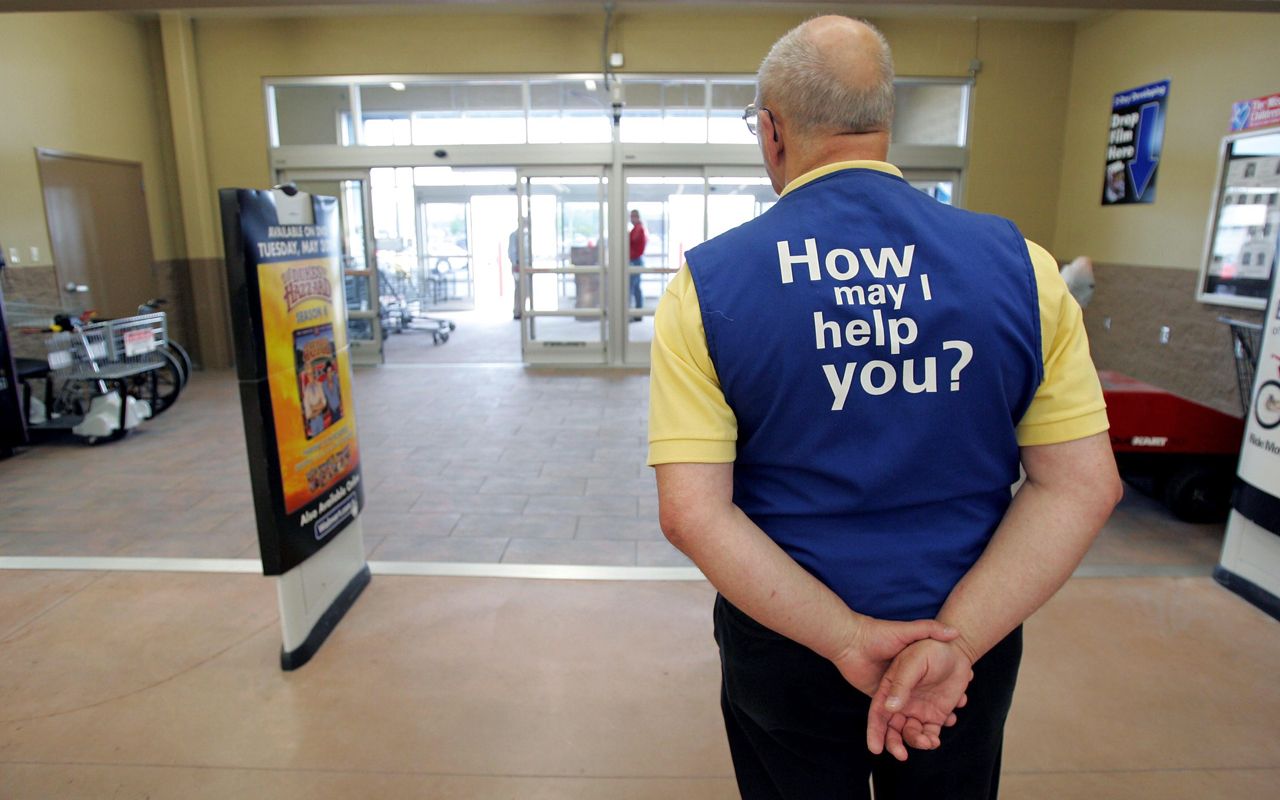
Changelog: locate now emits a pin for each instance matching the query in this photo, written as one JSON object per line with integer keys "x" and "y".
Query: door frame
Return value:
{"x": 532, "y": 350}
{"x": 65, "y": 294}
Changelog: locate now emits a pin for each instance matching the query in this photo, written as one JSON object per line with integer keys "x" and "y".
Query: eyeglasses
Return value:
{"x": 751, "y": 116}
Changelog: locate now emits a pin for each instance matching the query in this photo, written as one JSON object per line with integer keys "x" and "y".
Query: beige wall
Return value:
{"x": 1149, "y": 254}
{"x": 1211, "y": 60}
{"x": 1018, "y": 116}
{"x": 1017, "y": 121}
{"x": 81, "y": 83}
{"x": 88, "y": 83}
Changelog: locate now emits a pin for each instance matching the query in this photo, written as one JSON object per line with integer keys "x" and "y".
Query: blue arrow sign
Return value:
{"x": 1135, "y": 139}
{"x": 1144, "y": 162}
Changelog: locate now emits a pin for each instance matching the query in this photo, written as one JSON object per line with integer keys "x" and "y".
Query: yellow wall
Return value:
{"x": 1211, "y": 61}
{"x": 1017, "y": 122}
{"x": 1018, "y": 116}
{"x": 81, "y": 83}
{"x": 90, "y": 83}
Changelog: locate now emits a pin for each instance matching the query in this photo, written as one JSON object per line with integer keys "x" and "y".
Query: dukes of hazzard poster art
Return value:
{"x": 295, "y": 375}
{"x": 306, "y": 355}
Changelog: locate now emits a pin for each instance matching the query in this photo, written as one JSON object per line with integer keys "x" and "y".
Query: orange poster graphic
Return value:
{"x": 309, "y": 375}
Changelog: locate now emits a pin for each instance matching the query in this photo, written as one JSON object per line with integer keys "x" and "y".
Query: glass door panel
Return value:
{"x": 563, "y": 257}
{"x": 680, "y": 209}
{"x": 941, "y": 185}
{"x": 671, "y": 207}
{"x": 444, "y": 260}
{"x": 735, "y": 199}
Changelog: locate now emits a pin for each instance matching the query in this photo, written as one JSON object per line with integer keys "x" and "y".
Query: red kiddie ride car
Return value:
{"x": 1182, "y": 452}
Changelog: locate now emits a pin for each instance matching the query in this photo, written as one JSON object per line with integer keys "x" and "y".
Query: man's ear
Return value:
{"x": 766, "y": 119}
{"x": 771, "y": 143}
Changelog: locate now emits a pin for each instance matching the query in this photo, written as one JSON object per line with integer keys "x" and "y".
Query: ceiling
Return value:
{"x": 1034, "y": 9}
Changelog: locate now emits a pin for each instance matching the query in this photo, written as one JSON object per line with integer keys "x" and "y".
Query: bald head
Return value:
{"x": 830, "y": 75}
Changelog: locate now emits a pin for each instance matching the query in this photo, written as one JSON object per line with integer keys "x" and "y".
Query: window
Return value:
{"x": 569, "y": 112}
{"x": 665, "y": 111}
{"x": 311, "y": 114}
{"x": 930, "y": 113}
{"x": 724, "y": 123}
{"x": 564, "y": 110}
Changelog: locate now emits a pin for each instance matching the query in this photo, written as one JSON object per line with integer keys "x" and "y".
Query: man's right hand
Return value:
{"x": 875, "y": 643}
{"x": 918, "y": 696}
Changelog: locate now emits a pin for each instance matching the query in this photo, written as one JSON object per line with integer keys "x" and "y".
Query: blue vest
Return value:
{"x": 878, "y": 349}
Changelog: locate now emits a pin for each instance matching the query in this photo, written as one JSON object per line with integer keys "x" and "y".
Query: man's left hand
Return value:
{"x": 917, "y": 697}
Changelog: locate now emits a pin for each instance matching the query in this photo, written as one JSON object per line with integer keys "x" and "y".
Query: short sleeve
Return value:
{"x": 1068, "y": 404}
{"x": 689, "y": 419}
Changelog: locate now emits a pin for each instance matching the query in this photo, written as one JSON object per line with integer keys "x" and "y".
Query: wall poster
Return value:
{"x": 1241, "y": 242}
{"x": 1260, "y": 112}
{"x": 1134, "y": 143}
{"x": 294, "y": 365}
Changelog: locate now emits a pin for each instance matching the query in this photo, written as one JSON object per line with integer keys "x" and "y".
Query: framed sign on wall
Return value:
{"x": 1244, "y": 228}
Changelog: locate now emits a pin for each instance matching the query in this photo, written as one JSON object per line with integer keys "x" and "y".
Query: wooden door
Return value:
{"x": 99, "y": 231}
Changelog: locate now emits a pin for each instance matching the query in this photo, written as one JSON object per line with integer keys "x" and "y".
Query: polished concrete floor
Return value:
{"x": 1143, "y": 678}
{"x": 145, "y": 685}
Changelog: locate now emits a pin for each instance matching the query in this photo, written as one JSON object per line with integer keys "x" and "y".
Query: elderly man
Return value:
{"x": 843, "y": 390}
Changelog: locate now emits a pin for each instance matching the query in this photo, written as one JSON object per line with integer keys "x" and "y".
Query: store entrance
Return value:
{"x": 444, "y": 247}
{"x": 530, "y": 264}
{"x": 513, "y": 261}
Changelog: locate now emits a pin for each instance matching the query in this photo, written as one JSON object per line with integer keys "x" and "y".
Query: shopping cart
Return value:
{"x": 1246, "y": 341}
{"x": 100, "y": 380}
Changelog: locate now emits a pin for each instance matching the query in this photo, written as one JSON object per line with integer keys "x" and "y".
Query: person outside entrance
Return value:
{"x": 638, "y": 239}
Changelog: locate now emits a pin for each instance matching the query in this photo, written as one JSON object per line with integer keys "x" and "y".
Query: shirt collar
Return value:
{"x": 837, "y": 166}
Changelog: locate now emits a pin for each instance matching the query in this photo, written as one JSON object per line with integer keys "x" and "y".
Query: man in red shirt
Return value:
{"x": 638, "y": 240}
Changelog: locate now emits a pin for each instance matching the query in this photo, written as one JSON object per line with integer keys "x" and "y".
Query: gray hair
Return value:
{"x": 818, "y": 98}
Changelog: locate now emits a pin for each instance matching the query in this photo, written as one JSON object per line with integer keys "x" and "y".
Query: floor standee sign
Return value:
{"x": 294, "y": 369}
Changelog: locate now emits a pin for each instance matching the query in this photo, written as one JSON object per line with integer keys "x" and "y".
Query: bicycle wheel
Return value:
{"x": 184, "y": 360}
{"x": 168, "y": 384}
{"x": 71, "y": 399}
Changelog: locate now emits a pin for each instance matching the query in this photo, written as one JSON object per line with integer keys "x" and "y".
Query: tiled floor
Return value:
{"x": 464, "y": 462}
{"x": 490, "y": 337}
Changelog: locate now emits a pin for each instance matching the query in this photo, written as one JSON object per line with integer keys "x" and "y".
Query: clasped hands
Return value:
{"x": 916, "y": 674}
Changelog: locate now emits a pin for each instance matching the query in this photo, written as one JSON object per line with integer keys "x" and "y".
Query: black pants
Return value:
{"x": 797, "y": 729}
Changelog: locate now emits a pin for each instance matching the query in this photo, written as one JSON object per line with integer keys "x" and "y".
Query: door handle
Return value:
{"x": 73, "y": 288}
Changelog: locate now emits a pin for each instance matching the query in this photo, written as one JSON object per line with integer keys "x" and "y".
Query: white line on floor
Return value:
{"x": 568, "y": 572}
{"x": 565, "y": 572}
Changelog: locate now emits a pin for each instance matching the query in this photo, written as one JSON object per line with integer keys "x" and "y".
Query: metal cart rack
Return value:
{"x": 1246, "y": 341}
{"x": 99, "y": 378}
